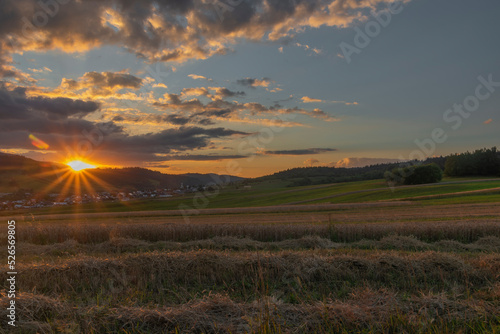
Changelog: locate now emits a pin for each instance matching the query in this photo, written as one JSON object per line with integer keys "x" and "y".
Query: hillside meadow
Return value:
{"x": 276, "y": 192}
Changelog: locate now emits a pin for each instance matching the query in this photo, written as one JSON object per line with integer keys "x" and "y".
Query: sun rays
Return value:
{"x": 72, "y": 181}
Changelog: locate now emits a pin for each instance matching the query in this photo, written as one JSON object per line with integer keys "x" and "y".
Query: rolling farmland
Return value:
{"x": 409, "y": 266}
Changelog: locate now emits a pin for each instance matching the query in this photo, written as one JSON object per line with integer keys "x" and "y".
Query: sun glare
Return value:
{"x": 78, "y": 165}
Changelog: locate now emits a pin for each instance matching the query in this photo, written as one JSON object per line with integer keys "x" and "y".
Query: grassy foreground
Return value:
{"x": 383, "y": 276}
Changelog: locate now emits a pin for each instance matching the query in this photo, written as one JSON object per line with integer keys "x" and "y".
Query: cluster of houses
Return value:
{"x": 31, "y": 201}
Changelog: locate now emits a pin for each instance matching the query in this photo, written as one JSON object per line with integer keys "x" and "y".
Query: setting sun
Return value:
{"x": 78, "y": 165}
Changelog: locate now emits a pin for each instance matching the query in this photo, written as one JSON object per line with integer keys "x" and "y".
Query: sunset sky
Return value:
{"x": 247, "y": 87}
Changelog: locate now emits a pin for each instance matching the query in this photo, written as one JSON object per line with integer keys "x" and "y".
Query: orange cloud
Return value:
{"x": 160, "y": 85}
{"x": 311, "y": 162}
{"x": 307, "y": 99}
{"x": 198, "y": 77}
{"x": 95, "y": 85}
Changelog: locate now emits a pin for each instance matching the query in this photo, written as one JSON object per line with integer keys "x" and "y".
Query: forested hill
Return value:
{"x": 482, "y": 162}
{"x": 321, "y": 175}
{"x": 21, "y": 173}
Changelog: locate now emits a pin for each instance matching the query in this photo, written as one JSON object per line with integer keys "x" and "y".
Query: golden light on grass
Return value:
{"x": 78, "y": 165}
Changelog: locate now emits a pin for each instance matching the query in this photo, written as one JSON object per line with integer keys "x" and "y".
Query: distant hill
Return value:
{"x": 18, "y": 173}
{"x": 136, "y": 178}
{"x": 12, "y": 162}
{"x": 303, "y": 176}
{"x": 21, "y": 173}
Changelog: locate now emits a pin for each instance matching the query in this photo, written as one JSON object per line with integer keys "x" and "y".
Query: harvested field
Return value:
{"x": 233, "y": 273}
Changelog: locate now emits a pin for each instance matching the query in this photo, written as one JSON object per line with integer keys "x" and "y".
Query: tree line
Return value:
{"x": 482, "y": 162}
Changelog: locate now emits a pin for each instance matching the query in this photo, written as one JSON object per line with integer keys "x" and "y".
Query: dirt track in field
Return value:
{"x": 336, "y": 213}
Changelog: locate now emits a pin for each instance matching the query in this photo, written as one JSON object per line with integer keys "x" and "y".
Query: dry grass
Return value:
{"x": 465, "y": 231}
{"x": 123, "y": 245}
{"x": 233, "y": 277}
{"x": 288, "y": 275}
{"x": 365, "y": 310}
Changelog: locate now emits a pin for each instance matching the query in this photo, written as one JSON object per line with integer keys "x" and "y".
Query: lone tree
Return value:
{"x": 420, "y": 174}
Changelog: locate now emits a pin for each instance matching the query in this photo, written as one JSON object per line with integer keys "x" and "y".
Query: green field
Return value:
{"x": 273, "y": 193}
{"x": 403, "y": 193}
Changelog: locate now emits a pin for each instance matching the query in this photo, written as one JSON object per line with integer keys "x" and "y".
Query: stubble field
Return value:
{"x": 385, "y": 268}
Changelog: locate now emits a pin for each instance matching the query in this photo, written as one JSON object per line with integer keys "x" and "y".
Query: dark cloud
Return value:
{"x": 157, "y": 166}
{"x": 299, "y": 151}
{"x": 63, "y": 124}
{"x": 59, "y": 122}
{"x": 173, "y": 101}
{"x": 220, "y": 108}
{"x": 61, "y": 107}
{"x": 202, "y": 157}
{"x": 214, "y": 93}
{"x": 166, "y": 30}
{"x": 113, "y": 80}
{"x": 206, "y": 122}
{"x": 39, "y": 125}
{"x": 114, "y": 146}
{"x": 222, "y": 93}
{"x": 179, "y": 139}
{"x": 173, "y": 119}
{"x": 15, "y": 104}
{"x": 218, "y": 113}
{"x": 154, "y": 30}
{"x": 177, "y": 120}
{"x": 251, "y": 82}
{"x": 118, "y": 118}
